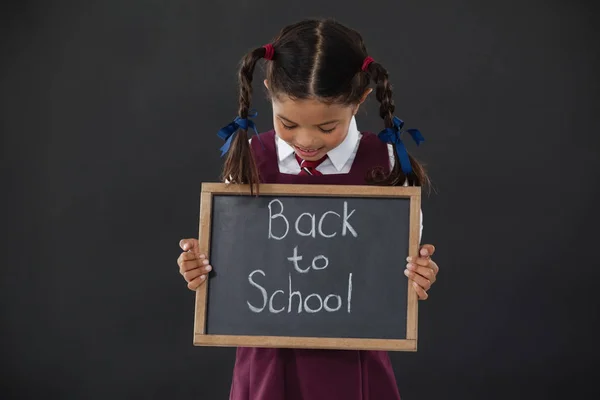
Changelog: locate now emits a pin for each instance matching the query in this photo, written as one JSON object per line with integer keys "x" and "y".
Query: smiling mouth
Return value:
{"x": 302, "y": 149}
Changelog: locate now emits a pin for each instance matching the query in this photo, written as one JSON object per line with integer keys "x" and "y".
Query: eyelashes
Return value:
{"x": 289, "y": 128}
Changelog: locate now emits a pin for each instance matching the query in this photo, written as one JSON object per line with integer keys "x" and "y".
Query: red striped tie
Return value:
{"x": 310, "y": 167}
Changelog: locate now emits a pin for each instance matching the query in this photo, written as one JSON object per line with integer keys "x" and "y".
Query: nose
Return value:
{"x": 305, "y": 140}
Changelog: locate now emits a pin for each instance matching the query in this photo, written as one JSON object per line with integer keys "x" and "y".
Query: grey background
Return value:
{"x": 376, "y": 258}
{"x": 109, "y": 113}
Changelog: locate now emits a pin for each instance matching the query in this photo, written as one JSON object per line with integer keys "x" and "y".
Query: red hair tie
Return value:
{"x": 366, "y": 63}
{"x": 270, "y": 51}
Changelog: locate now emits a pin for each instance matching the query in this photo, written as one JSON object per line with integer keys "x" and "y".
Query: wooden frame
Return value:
{"x": 201, "y": 338}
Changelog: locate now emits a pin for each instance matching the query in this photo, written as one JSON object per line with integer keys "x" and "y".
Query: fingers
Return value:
{"x": 421, "y": 261}
{"x": 195, "y": 273}
{"x": 422, "y": 270}
{"x": 188, "y": 261}
{"x": 201, "y": 264}
{"x": 420, "y": 292}
{"x": 194, "y": 267}
{"x": 426, "y": 272}
{"x": 189, "y": 244}
{"x": 195, "y": 284}
{"x": 427, "y": 250}
{"x": 420, "y": 280}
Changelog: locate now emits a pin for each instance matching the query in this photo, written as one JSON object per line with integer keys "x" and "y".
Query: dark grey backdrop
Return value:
{"x": 109, "y": 114}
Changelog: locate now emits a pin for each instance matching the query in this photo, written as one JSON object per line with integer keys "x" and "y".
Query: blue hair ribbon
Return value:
{"x": 228, "y": 132}
{"x": 392, "y": 136}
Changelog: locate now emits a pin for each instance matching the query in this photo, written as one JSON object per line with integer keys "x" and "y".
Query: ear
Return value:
{"x": 362, "y": 99}
{"x": 266, "y": 82}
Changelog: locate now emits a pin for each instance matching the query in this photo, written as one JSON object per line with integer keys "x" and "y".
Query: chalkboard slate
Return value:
{"x": 308, "y": 266}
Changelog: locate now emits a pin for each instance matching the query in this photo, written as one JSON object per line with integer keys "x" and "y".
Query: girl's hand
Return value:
{"x": 422, "y": 271}
{"x": 192, "y": 265}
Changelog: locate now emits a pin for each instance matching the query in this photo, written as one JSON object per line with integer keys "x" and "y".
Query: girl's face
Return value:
{"x": 311, "y": 127}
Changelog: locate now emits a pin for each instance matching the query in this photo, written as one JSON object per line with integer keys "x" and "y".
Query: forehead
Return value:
{"x": 309, "y": 111}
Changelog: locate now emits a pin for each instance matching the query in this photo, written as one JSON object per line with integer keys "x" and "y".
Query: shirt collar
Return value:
{"x": 338, "y": 156}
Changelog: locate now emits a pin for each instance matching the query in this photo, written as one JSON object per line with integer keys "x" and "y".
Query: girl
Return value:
{"x": 318, "y": 74}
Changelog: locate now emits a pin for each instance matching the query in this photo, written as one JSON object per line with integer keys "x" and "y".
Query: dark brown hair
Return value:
{"x": 319, "y": 59}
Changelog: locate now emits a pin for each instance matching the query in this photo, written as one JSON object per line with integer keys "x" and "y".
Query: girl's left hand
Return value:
{"x": 422, "y": 270}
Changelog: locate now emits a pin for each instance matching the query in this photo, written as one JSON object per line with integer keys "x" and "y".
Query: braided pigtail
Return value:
{"x": 383, "y": 93}
{"x": 240, "y": 166}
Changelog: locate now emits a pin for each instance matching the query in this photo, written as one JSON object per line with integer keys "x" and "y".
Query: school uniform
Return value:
{"x": 304, "y": 374}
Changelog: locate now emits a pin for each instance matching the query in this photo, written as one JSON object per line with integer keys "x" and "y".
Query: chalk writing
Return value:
{"x": 305, "y": 225}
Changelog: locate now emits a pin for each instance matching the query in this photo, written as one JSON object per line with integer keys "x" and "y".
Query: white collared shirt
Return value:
{"x": 339, "y": 160}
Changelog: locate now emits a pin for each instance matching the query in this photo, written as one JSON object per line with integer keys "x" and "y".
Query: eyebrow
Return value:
{"x": 321, "y": 124}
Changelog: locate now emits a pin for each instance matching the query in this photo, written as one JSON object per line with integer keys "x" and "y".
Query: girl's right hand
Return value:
{"x": 192, "y": 265}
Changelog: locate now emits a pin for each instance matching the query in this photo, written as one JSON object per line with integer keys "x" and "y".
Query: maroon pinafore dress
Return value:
{"x": 303, "y": 374}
